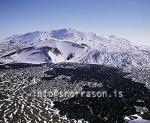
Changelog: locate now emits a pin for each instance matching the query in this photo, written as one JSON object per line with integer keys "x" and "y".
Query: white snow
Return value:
{"x": 83, "y": 47}
{"x": 135, "y": 119}
{"x": 140, "y": 121}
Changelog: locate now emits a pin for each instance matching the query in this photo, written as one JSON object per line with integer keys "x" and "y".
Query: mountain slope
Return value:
{"x": 68, "y": 45}
{"x": 46, "y": 52}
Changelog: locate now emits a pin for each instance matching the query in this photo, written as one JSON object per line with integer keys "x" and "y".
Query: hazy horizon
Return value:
{"x": 121, "y": 18}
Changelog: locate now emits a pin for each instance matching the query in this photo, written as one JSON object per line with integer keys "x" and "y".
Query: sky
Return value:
{"x": 129, "y": 19}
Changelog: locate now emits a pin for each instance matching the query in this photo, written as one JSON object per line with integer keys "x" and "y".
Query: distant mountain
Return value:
{"x": 69, "y": 45}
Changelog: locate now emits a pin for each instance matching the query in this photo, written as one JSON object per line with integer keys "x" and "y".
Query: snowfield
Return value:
{"x": 69, "y": 45}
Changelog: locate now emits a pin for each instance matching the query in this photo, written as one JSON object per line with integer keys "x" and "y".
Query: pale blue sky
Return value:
{"x": 129, "y": 19}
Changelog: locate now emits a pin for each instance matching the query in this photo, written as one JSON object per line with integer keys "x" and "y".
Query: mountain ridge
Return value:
{"x": 74, "y": 46}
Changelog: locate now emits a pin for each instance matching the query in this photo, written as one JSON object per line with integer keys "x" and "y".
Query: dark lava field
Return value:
{"x": 85, "y": 93}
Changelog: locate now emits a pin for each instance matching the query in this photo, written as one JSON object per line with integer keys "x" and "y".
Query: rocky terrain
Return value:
{"x": 69, "y": 76}
{"x": 26, "y": 94}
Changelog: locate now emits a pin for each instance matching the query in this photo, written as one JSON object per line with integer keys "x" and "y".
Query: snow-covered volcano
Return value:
{"x": 69, "y": 45}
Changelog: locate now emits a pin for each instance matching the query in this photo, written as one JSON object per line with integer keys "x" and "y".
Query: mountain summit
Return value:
{"x": 69, "y": 45}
